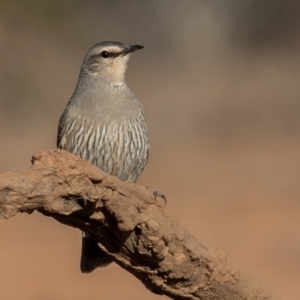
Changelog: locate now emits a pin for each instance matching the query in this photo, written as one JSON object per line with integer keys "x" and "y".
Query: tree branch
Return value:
{"x": 130, "y": 224}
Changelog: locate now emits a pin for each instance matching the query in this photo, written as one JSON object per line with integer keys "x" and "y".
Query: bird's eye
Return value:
{"x": 104, "y": 54}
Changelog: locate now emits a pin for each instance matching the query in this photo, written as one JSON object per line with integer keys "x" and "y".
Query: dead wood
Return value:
{"x": 135, "y": 228}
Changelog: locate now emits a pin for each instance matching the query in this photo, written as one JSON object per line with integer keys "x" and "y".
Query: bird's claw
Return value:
{"x": 158, "y": 194}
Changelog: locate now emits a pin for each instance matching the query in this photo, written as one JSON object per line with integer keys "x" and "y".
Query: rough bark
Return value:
{"x": 132, "y": 225}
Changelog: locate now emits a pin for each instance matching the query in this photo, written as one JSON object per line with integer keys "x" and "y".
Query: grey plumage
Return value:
{"x": 105, "y": 123}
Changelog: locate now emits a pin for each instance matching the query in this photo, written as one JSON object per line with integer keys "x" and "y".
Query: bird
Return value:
{"x": 105, "y": 123}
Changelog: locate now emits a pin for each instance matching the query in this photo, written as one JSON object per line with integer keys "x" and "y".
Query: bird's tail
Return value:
{"x": 92, "y": 256}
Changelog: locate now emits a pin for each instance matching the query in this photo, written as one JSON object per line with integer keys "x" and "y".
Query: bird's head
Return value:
{"x": 108, "y": 61}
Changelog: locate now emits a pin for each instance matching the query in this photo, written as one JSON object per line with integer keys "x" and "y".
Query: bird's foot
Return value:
{"x": 158, "y": 194}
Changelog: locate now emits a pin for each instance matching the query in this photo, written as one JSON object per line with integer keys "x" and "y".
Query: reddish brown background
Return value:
{"x": 220, "y": 85}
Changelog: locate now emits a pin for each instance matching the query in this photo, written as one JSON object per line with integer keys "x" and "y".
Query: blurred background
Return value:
{"x": 219, "y": 81}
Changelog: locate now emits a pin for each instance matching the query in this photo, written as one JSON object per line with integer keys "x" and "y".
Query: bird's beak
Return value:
{"x": 130, "y": 49}
{"x": 135, "y": 47}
